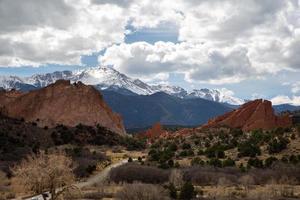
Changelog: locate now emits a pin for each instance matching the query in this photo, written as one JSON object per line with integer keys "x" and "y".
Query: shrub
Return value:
{"x": 186, "y": 146}
{"x": 134, "y": 143}
{"x": 132, "y": 172}
{"x": 140, "y": 191}
{"x": 215, "y": 162}
{"x": 248, "y": 149}
{"x": 228, "y": 163}
{"x": 172, "y": 147}
{"x": 277, "y": 145}
{"x": 293, "y": 159}
{"x": 269, "y": 161}
{"x": 215, "y": 152}
{"x": 172, "y": 191}
{"x": 187, "y": 191}
{"x": 255, "y": 162}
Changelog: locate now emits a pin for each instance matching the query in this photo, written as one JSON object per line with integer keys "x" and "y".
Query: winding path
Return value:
{"x": 101, "y": 176}
{"x": 97, "y": 178}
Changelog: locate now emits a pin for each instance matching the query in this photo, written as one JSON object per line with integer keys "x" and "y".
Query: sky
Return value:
{"x": 249, "y": 47}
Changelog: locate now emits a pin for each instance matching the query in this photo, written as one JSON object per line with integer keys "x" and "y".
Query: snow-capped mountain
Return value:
{"x": 169, "y": 89}
{"x": 108, "y": 78}
{"x": 42, "y": 80}
{"x": 223, "y": 96}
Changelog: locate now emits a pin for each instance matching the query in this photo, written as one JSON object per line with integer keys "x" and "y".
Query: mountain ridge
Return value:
{"x": 61, "y": 103}
{"x": 108, "y": 78}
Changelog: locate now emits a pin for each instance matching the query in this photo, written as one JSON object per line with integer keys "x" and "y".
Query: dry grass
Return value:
{"x": 270, "y": 191}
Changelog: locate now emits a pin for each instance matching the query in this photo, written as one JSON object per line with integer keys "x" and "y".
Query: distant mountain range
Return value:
{"x": 144, "y": 110}
{"x": 106, "y": 78}
{"x": 139, "y": 103}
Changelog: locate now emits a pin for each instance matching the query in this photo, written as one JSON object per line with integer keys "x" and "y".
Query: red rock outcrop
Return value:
{"x": 155, "y": 131}
{"x": 257, "y": 114}
{"x": 61, "y": 103}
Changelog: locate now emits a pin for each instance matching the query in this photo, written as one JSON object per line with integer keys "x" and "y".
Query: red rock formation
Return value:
{"x": 61, "y": 103}
{"x": 252, "y": 115}
{"x": 156, "y": 131}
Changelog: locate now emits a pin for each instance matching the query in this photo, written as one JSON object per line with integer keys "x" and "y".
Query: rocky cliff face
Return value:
{"x": 61, "y": 103}
{"x": 252, "y": 115}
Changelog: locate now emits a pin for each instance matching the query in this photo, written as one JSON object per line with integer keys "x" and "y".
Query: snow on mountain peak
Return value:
{"x": 218, "y": 95}
{"x": 108, "y": 78}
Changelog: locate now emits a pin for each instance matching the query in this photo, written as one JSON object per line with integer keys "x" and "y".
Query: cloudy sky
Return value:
{"x": 251, "y": 47}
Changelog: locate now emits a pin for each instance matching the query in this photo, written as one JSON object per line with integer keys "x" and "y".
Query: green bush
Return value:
{"x": 255, "y": 162}
{"x": 187, "y": 191}
{"x": 277, "y": 145}
{"x": 172, "y": 191}
{"x": 216, "y": 151}
{"x": 248, "y": 149}
{"x": 228, "y": 163}
{"x": 215, "y": 162}
{"x": 269, "y": 161}
{"x": 186, "y": 146}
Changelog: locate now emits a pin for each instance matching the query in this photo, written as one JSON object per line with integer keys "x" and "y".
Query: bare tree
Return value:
{"x": 140, "y": 191}
{"x": 42, "y": 173}
{"x": 176, "y": 178}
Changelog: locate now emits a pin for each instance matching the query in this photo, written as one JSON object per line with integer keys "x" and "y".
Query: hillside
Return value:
{"x": 140, "y": 111}
{"x": 257, "y": 114}
{"x": 61, "y": 103}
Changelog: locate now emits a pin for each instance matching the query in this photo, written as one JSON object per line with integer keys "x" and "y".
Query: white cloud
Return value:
{"x": 295, "y": 100}
{"x": 58, "y": 31}
{"x": 199, "y": 63}
{"x": 220, "y": 41}
{"x": 296, "y": 87}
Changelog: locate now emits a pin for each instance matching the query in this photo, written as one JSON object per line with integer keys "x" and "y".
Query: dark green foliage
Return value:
{"x": 172, "y": 191}
{"x": 255, "y": 162}
{"x": 216, "y": 151}
{"x": 154, "y": 155}
{"x": 18, "y": 139}
{"x": 270, "y": 161}
{"x": 171, "y": 163}
{"x": 164, "y": 165}
{"x": 277, "y": 145}
{"x": 248, "y": 149}
{"x": 172, "y": 147}
{"x": 85, "y": 159}
{"x": 187, "y": 191}
{"x": 90, "y": 169}
{"x": 236, "y": 132}
{"x": 161, "y": 156}
{"x": 293, "y": 159}
{"x": 186, "y": 146}
{"x": 228, "y": 163}
{"x": 242, "y": 168}
{"x": 134, "y": 143}
{"x": 215, "y": 162}
{"x": 186, "y": 153}
{"x": 140, "y": 159}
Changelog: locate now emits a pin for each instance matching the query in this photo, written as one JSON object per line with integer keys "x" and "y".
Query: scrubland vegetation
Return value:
{"x": 216, "y": 163}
